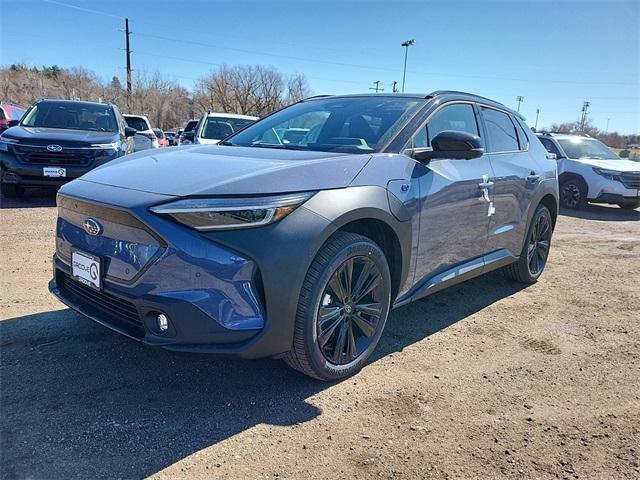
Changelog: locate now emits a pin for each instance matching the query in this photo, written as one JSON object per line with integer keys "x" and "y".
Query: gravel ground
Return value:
{"x": 487, "y": 379}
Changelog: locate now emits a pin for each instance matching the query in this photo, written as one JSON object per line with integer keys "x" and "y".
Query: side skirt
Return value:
{"x": 458, "y": 274}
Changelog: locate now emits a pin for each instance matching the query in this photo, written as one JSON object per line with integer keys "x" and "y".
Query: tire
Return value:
{"x": 535, "y": 252}
{"x": 573, "y": 193}
{"x": 341, "y": 344}
{"x": 10, "y": 190}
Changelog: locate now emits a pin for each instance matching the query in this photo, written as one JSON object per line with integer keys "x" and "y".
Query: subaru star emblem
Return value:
{"x": 92, "y": 227}
{"x": 54, "y": 148}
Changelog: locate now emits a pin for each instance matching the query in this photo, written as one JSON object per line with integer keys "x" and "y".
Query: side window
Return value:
{"x": 2, "y": 115}
{"x": 458, "y": 117}
{"x": 550, "y": 146}
{"x": 501, "y": 131}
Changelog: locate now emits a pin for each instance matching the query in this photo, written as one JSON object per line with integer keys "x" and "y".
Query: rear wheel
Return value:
{"x": 11, "y": 190}
{"x": 573, "y": 193}
{"x": 343, "y": 308}
{"x": 533, "y": 258}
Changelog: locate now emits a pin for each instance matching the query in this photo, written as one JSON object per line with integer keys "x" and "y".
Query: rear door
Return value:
{"x": 516, "y": 177}
{"x": 454, "y": 217}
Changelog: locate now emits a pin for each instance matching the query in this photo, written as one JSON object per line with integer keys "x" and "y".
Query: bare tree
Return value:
{"x": 248, "y": 89}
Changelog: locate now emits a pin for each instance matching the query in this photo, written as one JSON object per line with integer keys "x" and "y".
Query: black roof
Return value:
{"x": 64, "y": 100}
{"x": 451, "y": 94}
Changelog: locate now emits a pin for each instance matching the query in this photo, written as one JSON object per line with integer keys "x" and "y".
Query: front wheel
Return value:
{"x": 343, "y": 308}
{"x": 573, "y": 193}
{"x": 533, "y": 258}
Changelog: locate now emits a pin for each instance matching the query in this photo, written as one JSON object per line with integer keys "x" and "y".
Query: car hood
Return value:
{"x": 622, "y": 165}
{"x": 221, "y": 170}
{"x": 40, "y": 134}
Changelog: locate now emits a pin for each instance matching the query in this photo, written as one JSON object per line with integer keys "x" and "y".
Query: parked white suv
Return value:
{"x": 588, "y": 171}
{"x": 213, "y": 127}
{"x": 145, "y": 138}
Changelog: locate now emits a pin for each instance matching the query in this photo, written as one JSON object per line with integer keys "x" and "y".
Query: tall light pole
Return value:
{"x": 406, "y": 46}
{"x": 537, "y": 115}
{"x": 606, "y": 130}
{"x": 519, "y": 99}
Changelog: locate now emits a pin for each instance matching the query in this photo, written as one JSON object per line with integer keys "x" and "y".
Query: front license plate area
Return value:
{"x": 85, "y": 268}
{"x": 54, "y": 172}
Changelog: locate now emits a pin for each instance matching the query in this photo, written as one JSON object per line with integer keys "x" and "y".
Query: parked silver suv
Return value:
{"x": 590, "y": 172}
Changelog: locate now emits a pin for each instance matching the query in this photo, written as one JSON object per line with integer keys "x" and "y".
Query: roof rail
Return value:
{"x": 575, "y": 134}
{"x": 457, "y": 92}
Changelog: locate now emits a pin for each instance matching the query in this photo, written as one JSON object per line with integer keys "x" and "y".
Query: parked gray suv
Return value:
{"x": 294, "y": 237}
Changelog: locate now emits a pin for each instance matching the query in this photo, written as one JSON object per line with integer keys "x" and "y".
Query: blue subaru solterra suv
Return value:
{"x": 295, "y": 236}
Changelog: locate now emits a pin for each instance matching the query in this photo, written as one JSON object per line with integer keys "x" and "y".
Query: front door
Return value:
{"x": 455, "y": 197}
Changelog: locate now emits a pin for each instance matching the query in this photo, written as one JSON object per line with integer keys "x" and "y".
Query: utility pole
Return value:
{"x": 377, "y": 86}
{"x": 537, "y": 115}
{"x": 606, "y": 130}
{"x": 394, "y": 88}
{"x": 127, "y": 33}
{"x": 585, "y": 112}
{"x": 406, "y": 46}
{"x": 519, "y": 99}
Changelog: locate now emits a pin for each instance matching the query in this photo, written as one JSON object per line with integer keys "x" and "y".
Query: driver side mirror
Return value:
{"x": 129, "y": 132}
{"x": 453, "y": 145}
{"x": 13, "y": 123}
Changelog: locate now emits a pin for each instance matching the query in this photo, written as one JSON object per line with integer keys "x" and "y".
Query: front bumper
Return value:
{"x": 233, "y": 292}
{"x": 31, "y": 175}
{"x": 603, "y": 190}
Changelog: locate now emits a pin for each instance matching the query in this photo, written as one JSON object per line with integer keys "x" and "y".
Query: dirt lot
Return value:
{"x": 487, "y": 379}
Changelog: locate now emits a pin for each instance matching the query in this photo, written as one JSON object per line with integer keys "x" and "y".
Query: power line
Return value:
{"x": 83, "y": 9}
{"x": 370, "y": 67}
{"x": 174, "y": 27}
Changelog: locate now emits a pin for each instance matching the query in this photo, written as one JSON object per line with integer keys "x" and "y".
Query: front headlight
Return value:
{"x": 206, "y": 214}
{"x": 106, "y": 146}
{"x": 608, "y": 174}
{"x": 5, "y": 142}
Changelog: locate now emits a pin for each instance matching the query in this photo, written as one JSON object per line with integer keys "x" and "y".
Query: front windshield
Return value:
{"x": 216, "y": 128}
{"x": 587, "y": 148}
{"x": 71, "y": 116}
{"x": 351, "y": 125}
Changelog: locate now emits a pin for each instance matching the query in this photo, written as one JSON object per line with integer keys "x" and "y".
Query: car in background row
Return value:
{"x": 10, "y": 113}
{"x": 171, "y": 138}
{"x": 214, "y": 127}
{"x": 145, "y": 138}
{"x": 299, "y": 250}
{"x": 589, "y": 171}
{"x": 162, "y": 140}
{"x": 59, "y": 140}
{"x": 186, "y": 136}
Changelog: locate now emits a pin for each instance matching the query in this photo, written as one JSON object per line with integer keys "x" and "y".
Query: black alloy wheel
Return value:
{"x": 539, "y": 242}
{"x": 343, "y": 307}
{"x": 350, "y": 310}
{"x": 573, "y": 194}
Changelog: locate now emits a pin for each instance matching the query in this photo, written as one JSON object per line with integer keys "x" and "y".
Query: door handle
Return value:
{"x": 533, "y": 177}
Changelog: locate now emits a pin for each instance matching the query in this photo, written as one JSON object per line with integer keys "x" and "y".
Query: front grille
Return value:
{"x": 41, "y": 156}
{"x": 102, "y": 305}
{"x": 630, "y": 180}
